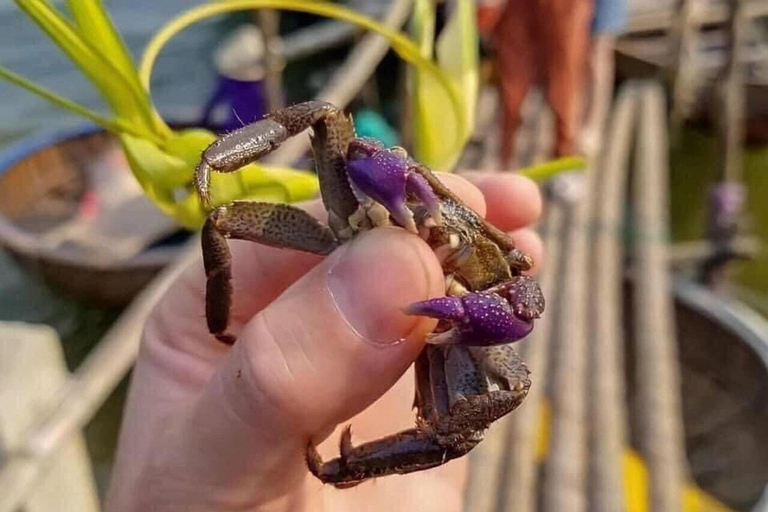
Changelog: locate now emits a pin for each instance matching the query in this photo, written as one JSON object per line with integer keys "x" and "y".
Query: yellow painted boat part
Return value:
{"x": 635, "y": 477}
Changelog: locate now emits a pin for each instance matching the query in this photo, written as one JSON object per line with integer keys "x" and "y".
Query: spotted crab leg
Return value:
{"x": 276, "y": 225}
{"x": 333, "y": 131}
{"x": 271, "y": 224}
{"x": 405, "y": 452}
{"x": 476, "y": 318}
{"x": 456, "y": 387}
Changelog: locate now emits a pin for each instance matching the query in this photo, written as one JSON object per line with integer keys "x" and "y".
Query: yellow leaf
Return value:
{"x": 124, "y": 98}
{"x": 95, "y": 27}
{"x": 438, "y": 138}
{"x": 156, "y": 166}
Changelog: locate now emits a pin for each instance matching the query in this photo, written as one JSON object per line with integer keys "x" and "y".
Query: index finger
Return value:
{"x": 512, "y": 201}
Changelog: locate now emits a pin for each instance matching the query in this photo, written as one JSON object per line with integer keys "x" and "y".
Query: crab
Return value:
{"x": 468, "y": 375}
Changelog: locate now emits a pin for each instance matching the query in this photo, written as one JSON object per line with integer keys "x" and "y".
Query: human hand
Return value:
{"x": 209, "y": 427}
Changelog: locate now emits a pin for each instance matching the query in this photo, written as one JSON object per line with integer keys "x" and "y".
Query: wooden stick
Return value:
{"x": 731, "y": 119}
{"x": 268, "y": 21}
{"x": 683, "y": 36}
{"x": 664, "y": 18}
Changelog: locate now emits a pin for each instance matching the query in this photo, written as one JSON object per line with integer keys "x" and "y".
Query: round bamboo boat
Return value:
{"x": 43, "y": 184}
{"x": 723, "y": 352}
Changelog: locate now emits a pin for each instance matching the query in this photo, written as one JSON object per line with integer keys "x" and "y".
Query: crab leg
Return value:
{"x": 472, "y": 385}
{"x": 405, "y": 452}
{"x": 456, "y": 389}
{"x": 276, "y": 225}
{"x": 333, "y": 132}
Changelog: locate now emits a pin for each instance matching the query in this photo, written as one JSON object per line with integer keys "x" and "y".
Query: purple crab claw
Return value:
{"x": 386, "y": 178}
{"x": 477, "y": 319}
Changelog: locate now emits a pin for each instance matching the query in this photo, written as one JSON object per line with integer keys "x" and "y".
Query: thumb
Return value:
{"x": 327, "y": 348}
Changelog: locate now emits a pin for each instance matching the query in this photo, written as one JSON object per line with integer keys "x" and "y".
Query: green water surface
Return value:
{"x": 693, "y": 169}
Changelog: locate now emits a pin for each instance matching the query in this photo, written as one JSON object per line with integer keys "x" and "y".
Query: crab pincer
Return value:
{"x": 500, "y": 315}
{"x": 386, "y": 177}
{"x": 476, "y": 319}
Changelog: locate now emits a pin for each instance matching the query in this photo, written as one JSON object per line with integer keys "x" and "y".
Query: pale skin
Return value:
{"x": 211, "y": 427}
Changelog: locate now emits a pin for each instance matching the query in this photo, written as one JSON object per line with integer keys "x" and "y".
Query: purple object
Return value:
{"x": 726, "y": 204}
{"x": 524, "y": 294}
{"x": 385, "y": 176}
{"x": 245, "y": 101}
{"x": 477, "y": 318}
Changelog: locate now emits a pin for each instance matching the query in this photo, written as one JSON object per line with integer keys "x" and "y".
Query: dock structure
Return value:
{"x": 579, "y": 405}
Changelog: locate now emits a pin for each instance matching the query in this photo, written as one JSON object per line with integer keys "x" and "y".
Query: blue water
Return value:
{"x": 184, "y": 74}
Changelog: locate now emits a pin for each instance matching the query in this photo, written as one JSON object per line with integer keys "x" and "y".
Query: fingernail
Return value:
{"x": 376, "y": 275}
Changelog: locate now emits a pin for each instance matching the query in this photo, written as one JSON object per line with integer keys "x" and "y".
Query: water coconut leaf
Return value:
{"x": 95, "y": 27}
{"x": 125, "y": 100}
{"x": 438, "y": 141}
{"x": 297, "y": 185}
{"x": 401, "y": 44}
{"x": 458, "y": 56}
{"x": 545, "y": 170}
{"x": 115, "y": 125}
{"x": 152, "y": 164}
{"x": 165, "y": 175}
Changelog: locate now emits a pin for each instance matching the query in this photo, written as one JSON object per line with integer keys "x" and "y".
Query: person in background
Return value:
{"x": 565, "y": 45}
{"x": 542, "y": 41}
{"x": 240, "y": 96}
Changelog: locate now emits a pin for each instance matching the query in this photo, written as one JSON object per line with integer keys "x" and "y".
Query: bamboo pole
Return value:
{"x": 484, "y": 478}
{"x": 683, "y": 36}
{"x": 520, "y": 469}
{"x": 268, "y": 21}
{"x": 565, "y": 470}
{"x": 708, "y": 14}
{"x": 608, "y": 412}
{"x": 732, "y": 98}
{"x": 657, "y": 379}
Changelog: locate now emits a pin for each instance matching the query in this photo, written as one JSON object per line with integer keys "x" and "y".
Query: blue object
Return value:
{"x": 369, "y": 123}
{"x": 610, "y": 16}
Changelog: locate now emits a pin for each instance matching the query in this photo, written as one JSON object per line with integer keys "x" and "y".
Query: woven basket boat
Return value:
{"x": 723, "y": 351}
{"x": 43, "y": 183}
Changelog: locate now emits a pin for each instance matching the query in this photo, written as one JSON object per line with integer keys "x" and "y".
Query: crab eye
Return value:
{"x": 401, "y": 152}
{"x": 363, "y": 147}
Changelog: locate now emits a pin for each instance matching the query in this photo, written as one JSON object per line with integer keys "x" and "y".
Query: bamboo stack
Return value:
{"x": 577, "y": 354}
